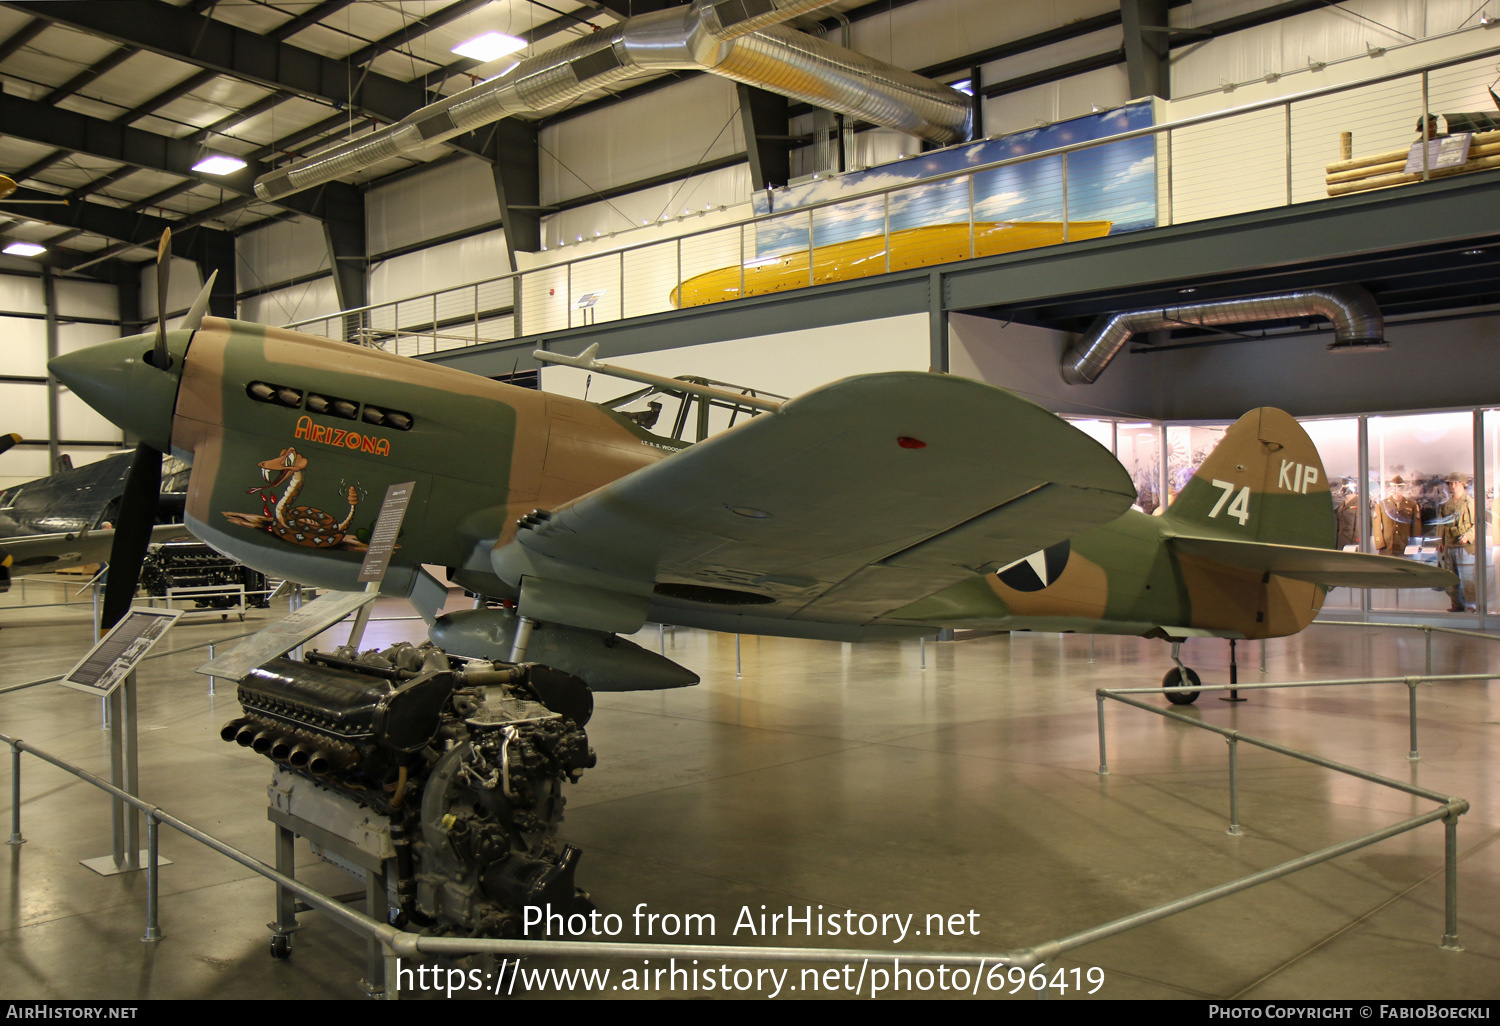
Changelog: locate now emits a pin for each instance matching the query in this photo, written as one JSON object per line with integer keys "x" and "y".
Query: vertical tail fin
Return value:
{"x": 1264, "y": 482}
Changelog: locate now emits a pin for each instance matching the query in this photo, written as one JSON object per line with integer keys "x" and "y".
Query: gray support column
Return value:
{"x": 1147, "y": 47}
{"x": 516, "y": 150}
{"x": 344, "y": 230}
{"x": 764, "y": 117}
{"x": 214, "y": 252}
{"x": 49, "y": 307}
{"x": 937, "y": 314}
{"x": 129, "y": 294}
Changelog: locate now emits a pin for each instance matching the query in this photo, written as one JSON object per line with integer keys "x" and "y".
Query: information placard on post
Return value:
{"x": 105, "y": 665}
{"x": 387, "y": 527}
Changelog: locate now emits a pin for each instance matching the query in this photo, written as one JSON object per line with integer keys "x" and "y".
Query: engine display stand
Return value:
{"x": 376, "y": 983}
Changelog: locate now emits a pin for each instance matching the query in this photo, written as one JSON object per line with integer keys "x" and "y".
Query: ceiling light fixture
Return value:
{"x": 26, "y": 249}
{"x": 219, "y": 165}
{"x": 488, "y": 47}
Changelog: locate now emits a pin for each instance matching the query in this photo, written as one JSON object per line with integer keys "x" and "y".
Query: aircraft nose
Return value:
{"x": 115, "y": 379}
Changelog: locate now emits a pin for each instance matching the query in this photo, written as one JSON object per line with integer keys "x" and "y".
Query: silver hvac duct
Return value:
{"x": 1356, "y": 322}
{"x": 739, "y": 39}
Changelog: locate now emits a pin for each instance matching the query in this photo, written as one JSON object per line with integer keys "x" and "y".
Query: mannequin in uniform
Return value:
{"x": 1457, "y": 537}
{"x": 1346, "y": 512}
{"x": 1395, "y": 519}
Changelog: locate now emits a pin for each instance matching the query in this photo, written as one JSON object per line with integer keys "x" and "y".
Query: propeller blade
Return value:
{"x": 194, "y": 319}
{"x": 6, "y": 441}
{"x": 7, "y": 185}
{"x": 160, "y": 360}
{"x": 132, "y": 534}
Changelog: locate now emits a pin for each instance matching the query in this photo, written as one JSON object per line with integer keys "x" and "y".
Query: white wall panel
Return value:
{"x": 280, "y": 252}
{"x": 685, "y": 124}
{"x": 23, "y": 409}
{"x": 1285, "y": 47}
{"x": 23, "y": 347}
{"x": 78, "y": 422}
{"x": 20, "y": 294}
{"x": 634, "y": 218}
{"x": 439, "y": 267}
{"x": 182, "y": 287}
{"x": 81, "y": 336}
{"x": 87, "y": 299}
{"x": 923, "y": 34}
{"x": 1051, "y": 102}
{"x": 312, "y": 299}
{"x": 789, "y": 363}
{"x": 23, "y": 463}
{"x": 437, "y": 202}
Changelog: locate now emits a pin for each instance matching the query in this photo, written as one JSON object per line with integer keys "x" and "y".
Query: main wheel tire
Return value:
{"x": 1173, "y": 679}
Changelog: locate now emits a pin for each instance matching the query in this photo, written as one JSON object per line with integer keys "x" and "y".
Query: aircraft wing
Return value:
{"x": 42, "y": 553}
{"x": 1319, "y": 566}
{"x": 847, "y": 502}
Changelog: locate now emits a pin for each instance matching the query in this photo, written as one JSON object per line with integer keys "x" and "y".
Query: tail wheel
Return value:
{"x": 1173, "y": 679}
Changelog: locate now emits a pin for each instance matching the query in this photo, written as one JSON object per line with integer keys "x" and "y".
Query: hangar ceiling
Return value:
{"x": 109, "y": 105}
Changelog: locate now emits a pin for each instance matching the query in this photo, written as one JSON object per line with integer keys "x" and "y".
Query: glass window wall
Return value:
{"x": 1421, "y": 466}
{"x": 1140, "y": 451}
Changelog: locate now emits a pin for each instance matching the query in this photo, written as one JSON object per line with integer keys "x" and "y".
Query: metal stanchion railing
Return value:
{"x": 1451, "y": 807}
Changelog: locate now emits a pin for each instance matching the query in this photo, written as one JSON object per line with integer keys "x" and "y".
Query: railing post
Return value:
{"x": 15, "y": 795}
{"x": 1427, "y": 630}
{"x": 811, "y": 278}
{"x": 887, "y": 233}
{"x": 153, "y": 930}
{"x": 737, "y": 673}
{"x": 922, "y": 650}
{"x": 1423, "y": 131}
{"x": 568, "y": 292}
{"x": 741, "y": 293}
{"x": 1288, "y": 109}
{"x": 1234, "y": 789}
{"x": 1450, "y": 889}
{"x": 971, "y": 217}
{"x": 1168, "y": 136}
{"x": 1103, "y": 762}
{"x": 1411, "y": 688}
{"x": 1065, "y": 195}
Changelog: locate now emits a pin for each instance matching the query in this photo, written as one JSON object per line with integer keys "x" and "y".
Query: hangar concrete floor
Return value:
{"x": 852, "y": 778}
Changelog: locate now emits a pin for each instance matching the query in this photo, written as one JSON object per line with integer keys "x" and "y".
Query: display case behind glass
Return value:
{"x": 1415, "y": 510}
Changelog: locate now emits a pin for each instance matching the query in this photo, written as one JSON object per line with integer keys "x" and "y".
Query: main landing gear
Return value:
{"x": 1180, "y": 677}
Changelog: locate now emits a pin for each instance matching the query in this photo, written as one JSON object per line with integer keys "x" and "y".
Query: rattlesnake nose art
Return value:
{"x": 300, "y": 525}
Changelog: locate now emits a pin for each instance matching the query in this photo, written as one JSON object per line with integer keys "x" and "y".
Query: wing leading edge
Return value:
{"x": 846, "y": 503}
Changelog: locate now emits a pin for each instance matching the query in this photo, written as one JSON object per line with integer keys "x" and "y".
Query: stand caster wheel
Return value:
{"x": 1173, "y": 679}
{"x": 281, "y": 946}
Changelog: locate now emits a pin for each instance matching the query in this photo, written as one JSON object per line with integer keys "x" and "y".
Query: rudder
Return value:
{"x": 1264, "y": 482}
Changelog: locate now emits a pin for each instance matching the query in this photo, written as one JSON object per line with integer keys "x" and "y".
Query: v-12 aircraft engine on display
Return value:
{"x": 451, "y": 770}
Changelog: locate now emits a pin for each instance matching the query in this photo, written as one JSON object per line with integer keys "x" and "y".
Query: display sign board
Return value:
{"x": 1449, "y": 151}
{"x": 286, "y": 634}
{"x": 589, "y": 300}
{"x": 387, "y": 527}
{"x": 107, "y": 664}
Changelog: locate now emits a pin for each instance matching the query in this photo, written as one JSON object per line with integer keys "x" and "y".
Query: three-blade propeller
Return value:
{"x": 143, "y": 483}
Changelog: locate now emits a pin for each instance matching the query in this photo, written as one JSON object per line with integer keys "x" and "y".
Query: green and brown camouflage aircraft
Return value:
{"x": 880, "y": 506}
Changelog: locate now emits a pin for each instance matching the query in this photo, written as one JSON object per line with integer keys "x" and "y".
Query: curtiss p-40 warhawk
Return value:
{"x": 879, "y": 506}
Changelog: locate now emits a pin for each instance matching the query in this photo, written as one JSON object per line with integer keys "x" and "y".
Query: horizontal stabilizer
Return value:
{"x": 1330, "y": 567}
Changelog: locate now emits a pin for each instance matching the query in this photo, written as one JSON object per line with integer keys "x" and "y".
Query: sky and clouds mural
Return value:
{"x": 1115, "y": 182}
